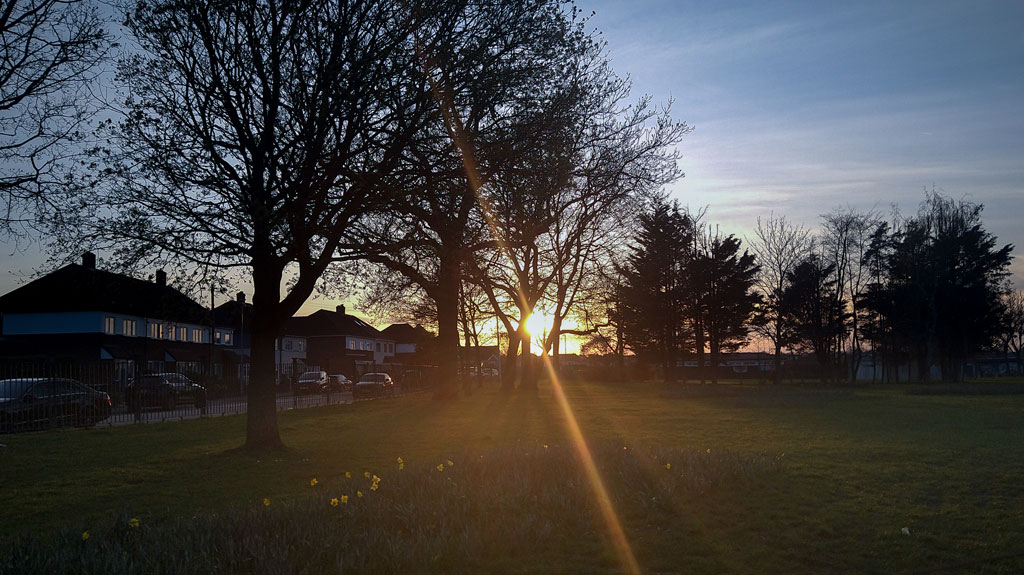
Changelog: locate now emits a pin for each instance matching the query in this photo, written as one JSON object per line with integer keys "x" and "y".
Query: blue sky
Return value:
{"x": 803, "y": 107}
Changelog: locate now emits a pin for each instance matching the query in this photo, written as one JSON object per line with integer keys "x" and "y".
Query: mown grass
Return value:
{"x": 730, "y": 479}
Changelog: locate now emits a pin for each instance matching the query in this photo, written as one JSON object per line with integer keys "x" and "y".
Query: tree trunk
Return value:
{"x": 261, "y": 421}
{"x": 510, "y": 369}
{"x": 528, "y": 378}
{"x": 447, "y": 300}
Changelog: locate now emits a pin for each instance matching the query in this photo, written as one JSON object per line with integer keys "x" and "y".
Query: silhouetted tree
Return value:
{"x": 779, "y": 247}
{"x": 51, "y": 51}
{"x": 816, "y": 317}
{"x": 722, "y": 281}
{"x": 257, "y": 131}
{"x": 942, "y": 283}
{"x": 1011, "y": 336}
{"x": 654, "y": 286}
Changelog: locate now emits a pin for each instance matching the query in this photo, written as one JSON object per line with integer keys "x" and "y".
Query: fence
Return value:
{"x": 47, "y": 394}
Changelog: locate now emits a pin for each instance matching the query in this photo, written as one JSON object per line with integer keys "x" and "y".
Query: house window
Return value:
{"x": 197, "y": 335}
{"x": 108, "y": 325}
{"x": 170, "y": 332}
{"x": 216, "y": 337}
{"x": 287, "y": 345}
{"x": 300, "y": 345}
{"x": 128, "y": 327}
{"x": 227, "y": 338}
{"x": 352, "y": 344}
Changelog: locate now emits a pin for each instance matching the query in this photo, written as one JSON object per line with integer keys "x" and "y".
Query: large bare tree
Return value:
{"x": 49, "y": 53}
{"x": 255, "y": 132}
{"x": 779, "y": 246}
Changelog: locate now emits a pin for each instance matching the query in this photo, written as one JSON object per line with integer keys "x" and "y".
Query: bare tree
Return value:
{"x": 50, "y": 51}
{"x": 1012, "y": 336}
{"x": 779, "y": 247}
{"x": 255, "y": 133}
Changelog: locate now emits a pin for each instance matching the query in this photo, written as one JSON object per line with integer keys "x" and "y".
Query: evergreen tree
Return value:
{"x": 654, "y": 286}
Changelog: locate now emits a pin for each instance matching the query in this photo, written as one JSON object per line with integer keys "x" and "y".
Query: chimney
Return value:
{"x": 341, "y": 309}
{"x": 89, "y": 260}
{"x": 161, "y": 278}
{"x": 240, "y": 297}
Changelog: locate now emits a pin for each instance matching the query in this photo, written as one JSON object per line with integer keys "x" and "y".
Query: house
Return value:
{"x": 289, "y": 350}
{"x": 341, "y": 343}
{"x": 81, "y": 314}
{"x": 412, "y": 344}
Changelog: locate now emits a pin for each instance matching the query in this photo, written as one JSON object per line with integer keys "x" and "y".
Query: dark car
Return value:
{"x": 164, "y": 390}
{"x": 311, "y": 382}
{"x": 32, "y": 403}
{"x": 374, "y": 385}
{"x": 338, "y": 383}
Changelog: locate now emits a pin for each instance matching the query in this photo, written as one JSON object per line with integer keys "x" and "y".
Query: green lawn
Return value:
{"x": 703, "y": 479}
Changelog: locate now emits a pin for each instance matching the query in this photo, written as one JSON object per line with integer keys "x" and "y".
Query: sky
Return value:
{"x": 800, "y": 108}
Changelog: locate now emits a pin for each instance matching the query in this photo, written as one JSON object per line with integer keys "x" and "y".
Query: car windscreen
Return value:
{"x": 14, "y": 388}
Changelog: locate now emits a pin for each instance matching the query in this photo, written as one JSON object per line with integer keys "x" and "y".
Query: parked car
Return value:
{"x": 30, "y": 403}
{"x": 338, "y": 383}
{"x": 310, "y": 382}
{"x": 374, "y": 385}
{"x": 164, "y": 390}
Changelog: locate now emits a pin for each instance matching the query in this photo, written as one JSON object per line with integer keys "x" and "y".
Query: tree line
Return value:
{"x": 928, "y": 289}
{"x": 461, "y": 162}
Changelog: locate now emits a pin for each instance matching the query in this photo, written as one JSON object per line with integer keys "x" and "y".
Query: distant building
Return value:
{"x": 289, "y": 350}
{"x": 412, "y": 344}
{"x": 341, "y": 343}
{"x": 81, "y": 314}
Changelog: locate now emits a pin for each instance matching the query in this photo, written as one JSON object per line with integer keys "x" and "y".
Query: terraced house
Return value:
{"x": 79, "y": 314}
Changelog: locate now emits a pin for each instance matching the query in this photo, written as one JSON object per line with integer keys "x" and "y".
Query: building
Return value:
{"x": 289, "y": 350}
{"x": 412, "y": 344}
{"x": 79, "y": 314}
{"x": 341, "y": 343}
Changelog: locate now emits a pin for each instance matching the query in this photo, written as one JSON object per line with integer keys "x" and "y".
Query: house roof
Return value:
{"x": 331, "y": 323}
{"x": 75, "y": 288}
{"x": 405, "y": 333}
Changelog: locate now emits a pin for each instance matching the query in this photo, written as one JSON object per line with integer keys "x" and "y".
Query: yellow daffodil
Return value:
{"x": 440, "y": 467}
{"x": 668, "y": 466}
{"x": 85, "y": 535}
{"x": 334, "y": 502}
{"x": 401, "y": 466}
{"x": 313, "y": 482}
{"x": 400, "y": 460}
{"x": 545, "y": 446}
{"x": 348, "y": 475}
{"x": 266, "y": 502}
{"x": 344, "y": 499}
{"x": 450, "y": 463}
{"x": 366, "y": 474}
{"x": 373, "y": 487}
{"x": 133, "y": 522}
{"x": 709, "y": 450}
{"x": 376, "y": 479}
{"x": 359, "y": 493}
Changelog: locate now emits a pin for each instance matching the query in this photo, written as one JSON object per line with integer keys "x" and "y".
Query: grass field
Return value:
{"x": 700, "y": 479}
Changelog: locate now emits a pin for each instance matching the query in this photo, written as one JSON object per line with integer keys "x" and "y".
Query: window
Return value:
{"x": 108, "y": 325}
{"x": 216, "y": 337}
{"x": 171, "y": 332}
{"x": 128, "y": 327}
{"x": 378, "y": 346}
{"x": 300, "y": 344}
{"x": 227, "y": 338}
{"x": 156, "y": 330}
{"x": 287, "y": 345}
{"x": 351, "y": 344}
{"x": 197, "y": 335}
